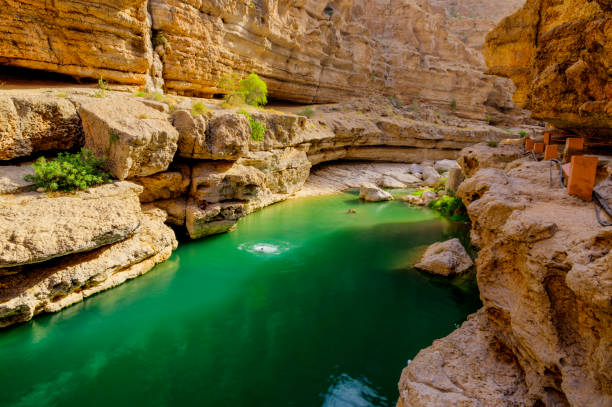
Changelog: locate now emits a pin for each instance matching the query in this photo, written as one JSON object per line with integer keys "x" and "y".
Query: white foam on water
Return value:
{"x": 265, "y": 248}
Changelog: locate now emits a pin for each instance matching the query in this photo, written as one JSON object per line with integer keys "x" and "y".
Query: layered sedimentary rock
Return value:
{"x": 307, "y": 51}
{"x": 51, "y": 286}
{"x": 558, "y": 54}
{"x": 34, "y": 124}
{"x": 109, "y": 39}
{"x": 544, "y": 276}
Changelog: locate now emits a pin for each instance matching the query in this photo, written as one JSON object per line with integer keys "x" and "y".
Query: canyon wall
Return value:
{"x": 559, "y": 53}
{"x": 197, "y": 170}
{"x": 307, "y": 51}
{"x": 544, "y": 334}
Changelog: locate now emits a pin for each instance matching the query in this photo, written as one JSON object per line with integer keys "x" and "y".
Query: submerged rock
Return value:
{"x": 445, "y": 259}
{"x": 372, "y": 193}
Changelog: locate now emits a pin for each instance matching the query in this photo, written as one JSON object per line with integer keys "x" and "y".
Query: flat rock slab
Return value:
{"x": 137, "y": 139}
{"x": 35, "y": 227}
{"x": 12, "y": 178}
{"x": 445, "y": 258}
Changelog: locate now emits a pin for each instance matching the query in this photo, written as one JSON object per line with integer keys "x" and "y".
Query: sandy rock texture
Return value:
{"x": 371, "y": 193}
{"x": 307, "y": 51}
{"x": 53, "y": 285}
{"x": 136, "y": 139}
{"x": 447, "y": 258}
{"x": 544, "y": 275}
{"x": 558, "y": 54}
{"x": 35, "y": 124}
{"x": 35, "y": 227}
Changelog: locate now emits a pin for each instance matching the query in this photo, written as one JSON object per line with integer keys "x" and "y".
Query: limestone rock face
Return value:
{"x": 558, "y": 55}
{"x": 481, "y": 155}
{"x": 138, "y": 140}
{"x": 223, "y": 136}
{"x": 36, "y": 227}
{"x": 51, "y": 286}
{"x": 305, "y": 50}
{"x": 109, "y": 39}
{"x": 35, "y": 124}
{"x": 213, "y": 219}
{"x": 445, "y": 259}
{"x": 467, "y": 368}
{"x": 371, "y": 193}
{"x": 165, "y": 185}
{"x": 543, "y": 273}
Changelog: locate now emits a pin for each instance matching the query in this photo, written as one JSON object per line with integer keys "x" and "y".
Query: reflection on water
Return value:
{"x": 348, "y": 392}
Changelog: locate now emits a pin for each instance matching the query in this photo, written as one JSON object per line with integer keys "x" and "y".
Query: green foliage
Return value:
{"x": 160, "y": 39}
{"x": 141, "y": 94}
{"x": 257, "y": 128}
{"x": 68, "y": 172}
{"x": 102, "y": 88}
{"x": 198, "y": 108}
{"x": 453, "y": 12}
{"x": 454, "y": 105}
{"x": 488, "y": 118}
{"x": 307, "y": 111}
{"x": 492, "y": 143}
{"x": 113, "y": 137}
{"x": 421, "y": 191}
{"x": 250, "y": 90}
{"x": 450, "y": 207}
{"x": 61, "y": 95}
{"x": 440, "y": 185}
{"x": 255, "y": 90}
{"x": 523, "y": 133}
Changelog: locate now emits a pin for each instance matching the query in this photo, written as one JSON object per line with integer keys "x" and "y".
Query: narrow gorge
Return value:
{"x": 248, "y": 216}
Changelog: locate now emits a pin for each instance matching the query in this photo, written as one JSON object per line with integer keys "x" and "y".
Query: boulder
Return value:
{"x": 228, "y": 136}
{"x": 213, "y": 219}
{"x": 35, "y": 227}
{"x": 445, "y": 259}
{"x": 138, "y": 140}
{"x": 407, "y": 179}
{"x": 421, "y": 200}
{"x": 388, "y": 181}
{"x": 372, "y": 193}
{"x": 214, "y": 181}
{"x": 445, "y": 165}
{"x": 48, "y": 288}
{"x": 165, "y": 185}
{"x": 31, "y": 125}
{"x": 416, "y": 170}
{"x": 454, "y": 178}
{"x": 430, "y": 176}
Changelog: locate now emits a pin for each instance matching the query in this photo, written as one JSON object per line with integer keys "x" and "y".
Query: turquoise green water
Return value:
{"x": 303, "y": 305}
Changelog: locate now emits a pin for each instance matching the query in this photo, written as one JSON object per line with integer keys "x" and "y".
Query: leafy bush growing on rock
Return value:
{"x": 250, "y": 90}
{"x": 450, "y": 207}
{"x": 307, "y": 111}
{"x": 523, "y": 133}
{"x": 257, "y": 128}
{"x": 198, "y": 108}
{"x": 68, "y": 172}
{"x": 102, "y": 88}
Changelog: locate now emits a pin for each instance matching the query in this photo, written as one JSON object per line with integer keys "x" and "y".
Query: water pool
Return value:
{"x": 303, "y": 305}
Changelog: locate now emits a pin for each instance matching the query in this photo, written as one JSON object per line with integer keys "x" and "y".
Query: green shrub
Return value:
{"x": 198, "y": 108}
{"x": 523, "y": 133}
{"x": 420, "y": 191}
{"x": 450, "y": 207}
{"x": 254, "y": 90}
{"x": 250, "y": 90}
{"x": 102, "y": 88}
{"x": 488, "y": 118}
{"x": 454, "y": 105}
{"x": 257, "y": 128}
{"x": 160, "y": 39}
{"x": 307, "y": 111}
{"x": 492, "y": 143}
{"x": 68, "y": 172}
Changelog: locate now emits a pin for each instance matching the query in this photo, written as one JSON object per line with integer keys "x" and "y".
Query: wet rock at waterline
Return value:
{"x": 445, "y": 259}
{"x": 371, "y": 193}
{"x": 421, "y": 200}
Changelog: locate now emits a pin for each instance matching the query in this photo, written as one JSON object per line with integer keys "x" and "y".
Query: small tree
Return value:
{"x": 250, "y": 90}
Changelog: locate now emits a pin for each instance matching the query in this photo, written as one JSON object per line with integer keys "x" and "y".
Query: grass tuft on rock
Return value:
{"x": 450, "y": 207}
{"x": 257, "y": 128}
{"x": 69, "y": 172}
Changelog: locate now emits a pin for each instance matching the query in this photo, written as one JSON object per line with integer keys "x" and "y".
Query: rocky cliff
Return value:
{"x": 307, "y": 51}
{"x": 543, "y": 336}
{"x": 558, "y": 54}
{"x": 199, "y": 170}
